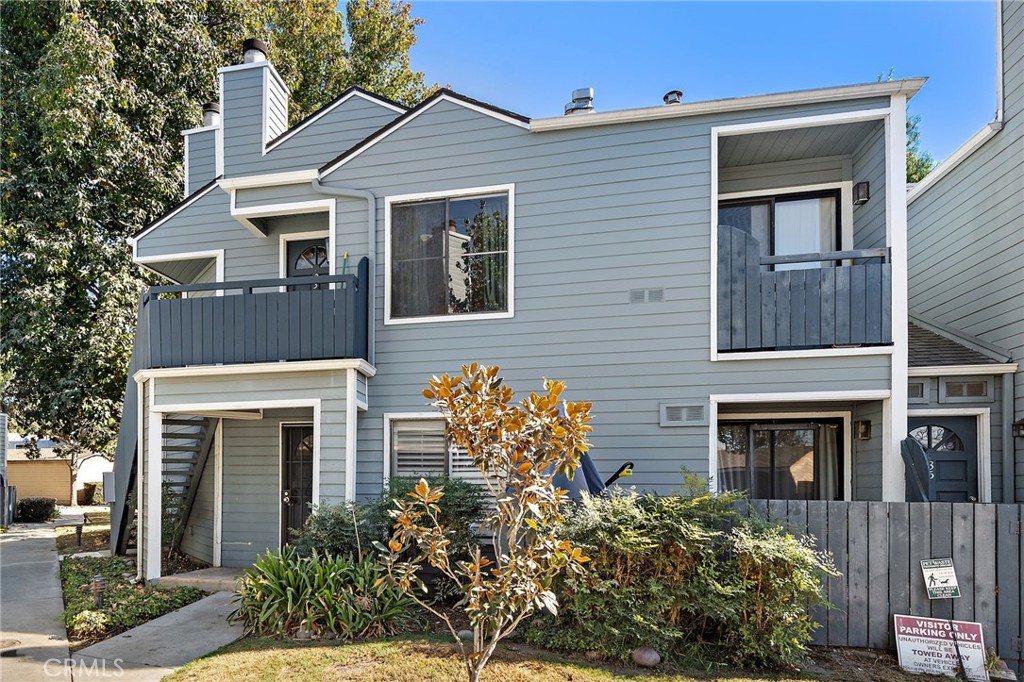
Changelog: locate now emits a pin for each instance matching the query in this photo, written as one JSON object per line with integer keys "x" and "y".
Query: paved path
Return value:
{"x": 31, "y": 606}
{"x": 156, "y": 648}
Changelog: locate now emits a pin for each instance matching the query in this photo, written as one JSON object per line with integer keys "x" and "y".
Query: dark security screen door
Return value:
{"x": 951, "y": 444}
{"x": 296, "y": 477}
{"x": 307, "y": 258}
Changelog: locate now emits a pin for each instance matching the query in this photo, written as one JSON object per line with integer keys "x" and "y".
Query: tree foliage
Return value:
{"x": 94, "y": 97}
{"x": 519, "y": 449}
{"x": 919, "y": 162}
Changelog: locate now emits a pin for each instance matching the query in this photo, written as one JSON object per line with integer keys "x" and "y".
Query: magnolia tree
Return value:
{"x": 519, "y": 448}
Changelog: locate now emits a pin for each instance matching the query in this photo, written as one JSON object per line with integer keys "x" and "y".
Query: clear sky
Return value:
{"x": 529, "y": 56}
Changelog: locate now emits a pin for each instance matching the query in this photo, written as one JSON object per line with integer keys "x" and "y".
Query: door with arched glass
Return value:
{"x": 951, "y": 445}
{"x": 308, "y": 258}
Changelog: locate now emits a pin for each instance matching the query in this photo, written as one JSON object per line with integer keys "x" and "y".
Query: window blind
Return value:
{"x": 418, "y": 447}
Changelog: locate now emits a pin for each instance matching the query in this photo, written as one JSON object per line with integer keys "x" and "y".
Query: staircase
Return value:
{"x": 187, "y": 441}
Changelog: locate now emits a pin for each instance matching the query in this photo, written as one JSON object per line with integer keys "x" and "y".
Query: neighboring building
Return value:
{"x": 966, "y": 263}
{"x": 724, "y": 280}
{"x": 49, "y": 475}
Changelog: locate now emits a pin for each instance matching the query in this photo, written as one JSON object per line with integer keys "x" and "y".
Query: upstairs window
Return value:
{"x": 450, "y": 257}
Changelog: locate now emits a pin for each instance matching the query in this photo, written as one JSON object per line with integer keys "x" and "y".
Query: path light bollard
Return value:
{"x": 78, "y": 535}
{"x": 99, "y": 586}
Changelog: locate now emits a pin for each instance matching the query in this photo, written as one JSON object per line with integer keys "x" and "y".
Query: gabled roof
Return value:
{"x": 180, "y": 206}
{"x": 350, "y": 92}
{"x": 933, "y": 345}
{"x": 442, "y": 95}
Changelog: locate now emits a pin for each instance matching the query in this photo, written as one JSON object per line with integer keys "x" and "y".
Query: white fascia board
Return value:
{"x": 800, "y": 396}
{"x": 962, "y": 153}
{"x": 202, "y": 129}
{"x": 181, "y": 207}
{"x": 328, "y": 109}
{"x": 443, "y": 98}
{"x": 358, "y": 364}
{"x": 269, "y": 179}
{"x": 908, "y": 87}
{"x": 962, "y": 370}
{"x": 254, "y": 65}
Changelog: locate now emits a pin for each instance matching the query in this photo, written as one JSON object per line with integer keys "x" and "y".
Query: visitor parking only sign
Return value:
{"x": 940, "y": 647}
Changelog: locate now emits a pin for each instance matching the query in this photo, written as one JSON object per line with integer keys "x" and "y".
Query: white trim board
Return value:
{"x": 962, "y": 370}
{"x": 984, "y": 444}
{"x": 416, "y": 114}
{"x": 216, "y": 254}
{"x": 269, "y": 179}
{"x": 389, "y": 201}
{"x": 845, "y": 415}
{"x": 328, "y": 109}
{"x": 218, "y": 492}
{"x": 364, "y": 368}
{"x": 351, "y": 435}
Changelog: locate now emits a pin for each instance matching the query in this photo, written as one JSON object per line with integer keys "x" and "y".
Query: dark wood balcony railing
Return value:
{"x": 254, "y": 321}
{"x": 762, "y": 309}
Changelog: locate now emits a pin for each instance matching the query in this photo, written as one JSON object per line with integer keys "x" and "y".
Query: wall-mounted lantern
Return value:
{"x": 1018, "y": 428}
{"x": 862, "y": 429}
{"x": 861, "y": 193}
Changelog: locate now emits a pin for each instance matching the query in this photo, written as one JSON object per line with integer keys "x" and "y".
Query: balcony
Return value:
{"x": 273, "y": 320}
{"x": 761, "y": 307}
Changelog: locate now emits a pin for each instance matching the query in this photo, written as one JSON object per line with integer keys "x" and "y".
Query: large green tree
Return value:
{"x": 94, "y": 96}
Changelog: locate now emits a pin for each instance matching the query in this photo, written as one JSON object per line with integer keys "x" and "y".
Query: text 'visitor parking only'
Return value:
{"x": 938, "y": 647}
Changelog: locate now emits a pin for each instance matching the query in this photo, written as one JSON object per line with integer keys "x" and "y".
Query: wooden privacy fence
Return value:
{"x": 878, "y": 547}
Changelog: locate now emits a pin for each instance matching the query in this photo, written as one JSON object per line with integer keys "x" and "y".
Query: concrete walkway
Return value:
{"x": 31, "y": 607}
{"x": 156, "y": 648}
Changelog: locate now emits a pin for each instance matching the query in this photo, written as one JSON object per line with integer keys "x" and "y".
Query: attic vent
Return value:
{"x": 965, "y": 390}
{"x": 646, "y": 295}
{"x": 683, "y": 414}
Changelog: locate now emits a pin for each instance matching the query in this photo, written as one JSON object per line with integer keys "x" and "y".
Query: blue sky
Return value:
{"x": 528, "y": 56}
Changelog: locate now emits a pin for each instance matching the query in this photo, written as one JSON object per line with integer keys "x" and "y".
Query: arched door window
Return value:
{"x": 312, "y": 261}
{"x": 937, "y": 438}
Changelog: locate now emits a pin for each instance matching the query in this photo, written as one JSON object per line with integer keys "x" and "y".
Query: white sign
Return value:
{"x": 940, "y": 578}
{"x": 940, "y": 647}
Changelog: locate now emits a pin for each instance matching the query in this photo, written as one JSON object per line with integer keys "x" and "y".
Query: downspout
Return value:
{"x": 1009, "y": 446}
{"x": 371, "y": 250}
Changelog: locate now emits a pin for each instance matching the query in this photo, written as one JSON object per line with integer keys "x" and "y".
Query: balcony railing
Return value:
{"x": 315, "y": 318}
{"x": 762, "y": 309}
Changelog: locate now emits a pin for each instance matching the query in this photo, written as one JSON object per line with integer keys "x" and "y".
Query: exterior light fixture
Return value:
{"x": 861, "y": 193}
{"x": 862, "y": 429}
{"x": 1018, "y": 428}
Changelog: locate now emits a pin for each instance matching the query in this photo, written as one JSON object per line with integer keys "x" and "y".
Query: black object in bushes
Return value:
{"x": 36, "y": 509}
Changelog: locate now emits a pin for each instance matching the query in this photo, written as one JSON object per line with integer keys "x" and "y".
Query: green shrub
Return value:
{"x": 37, "y": 510}
{"x": 125, "y": 605}
{"x": 688, "y": 576}
{"x": 332, "y": 528}
{"x": 284, "y": 594}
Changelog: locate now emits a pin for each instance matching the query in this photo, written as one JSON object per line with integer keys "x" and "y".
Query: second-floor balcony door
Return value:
{"x": 308, "y": 258}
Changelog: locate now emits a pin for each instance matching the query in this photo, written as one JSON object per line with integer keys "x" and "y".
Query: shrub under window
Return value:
{"x": 449, "y": 256}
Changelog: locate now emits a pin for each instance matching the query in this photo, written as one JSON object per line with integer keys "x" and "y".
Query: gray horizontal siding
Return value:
{"x": 867, "y": 454}
{"x": 966, "y": 233}
{"x": 869, "y": 166}
{"x": 202, "y": 159}
{"x": 242, "y": 120}
{"x": 769, "y": 176}
{"x": 197, "y": 541}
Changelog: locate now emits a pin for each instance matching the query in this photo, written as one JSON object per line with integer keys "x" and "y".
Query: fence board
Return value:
{"x": 942, "y": 547}
{"x": 1009, "y": 563}
{"x": 837, "y": 595}
{"x": 817, "y": 526}
{"x": 857, "y": 578}
{"x": 899, "y": 563}
{"x": 963, "y": 556}
{"x": 920, "y": 548}
{"x": 878, "y": 574}
{"x": 985, "y": 571}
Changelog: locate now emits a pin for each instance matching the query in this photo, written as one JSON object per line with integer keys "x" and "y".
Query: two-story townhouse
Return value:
{"x": 725, "y": 280}
{"x": 966, "y": 274}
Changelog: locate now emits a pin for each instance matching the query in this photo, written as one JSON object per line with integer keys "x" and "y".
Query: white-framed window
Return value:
{"x": 449, "y": 256}
{"x": 417, "y": 446}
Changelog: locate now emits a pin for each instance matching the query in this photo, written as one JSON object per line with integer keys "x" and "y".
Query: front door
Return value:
{"x": 296, "y": 477}
{"x": 308, "y": 258}
{"x": 951, "y": 444}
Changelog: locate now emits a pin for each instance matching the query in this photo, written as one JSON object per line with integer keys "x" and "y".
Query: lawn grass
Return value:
{"x": 433, "y": 659}
{"x": 95, "y": 535}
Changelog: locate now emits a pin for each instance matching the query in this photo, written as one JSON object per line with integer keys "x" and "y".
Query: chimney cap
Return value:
{"x": 673, "y": 97}
{"x": 211, "y": 106}
{"x": 255, "y": 44}
{"x": 582, "y": 94}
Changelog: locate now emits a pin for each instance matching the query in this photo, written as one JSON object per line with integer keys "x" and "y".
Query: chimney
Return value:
{"x": 253, "y": 109}
{"x": 211, "y": 114}
{"x": 582, "y": 102}
{"x": 673, "y": 97}
{"x": 254, "y": 50}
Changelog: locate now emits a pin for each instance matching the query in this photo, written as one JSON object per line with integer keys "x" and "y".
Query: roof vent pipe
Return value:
{"x": 211, "y": 114}
{"x": 673, "y": 97}
{"x": 582, "y": 102}
{"x": 254, "y": 50}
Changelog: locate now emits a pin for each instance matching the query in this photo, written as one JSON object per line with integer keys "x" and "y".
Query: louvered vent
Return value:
{"x": 646, "y": 295}
{"x": 684, "y": 414}
{"x": 915, "y": 390}
{"x": 966, "y": 389}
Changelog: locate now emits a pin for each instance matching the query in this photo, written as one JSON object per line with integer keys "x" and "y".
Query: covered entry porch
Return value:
{"x": 233, "y": 458}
